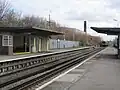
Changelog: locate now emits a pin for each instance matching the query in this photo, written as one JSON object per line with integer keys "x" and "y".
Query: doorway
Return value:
{"x": 20, "y": 44}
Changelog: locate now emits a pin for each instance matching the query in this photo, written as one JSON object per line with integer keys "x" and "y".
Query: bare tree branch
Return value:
{"x": 4, "y": 8}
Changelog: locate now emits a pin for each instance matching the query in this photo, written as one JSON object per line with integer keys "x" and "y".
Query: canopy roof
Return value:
{"x": 30, "y": 30}
{"x": 107, "y": 30}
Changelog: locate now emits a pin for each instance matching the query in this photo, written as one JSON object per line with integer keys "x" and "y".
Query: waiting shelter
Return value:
{"x": 110, "y": 31}
{"x": 24, "y": 39}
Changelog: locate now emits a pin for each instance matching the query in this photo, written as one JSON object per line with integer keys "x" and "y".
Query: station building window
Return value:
{"x": 7, "y": 40}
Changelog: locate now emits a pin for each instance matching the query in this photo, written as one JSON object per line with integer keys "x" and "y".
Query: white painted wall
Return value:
{"x": 54, "y": 44}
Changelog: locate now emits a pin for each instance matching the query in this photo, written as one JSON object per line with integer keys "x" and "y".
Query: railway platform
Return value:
{"x": 101, "y": 72}
{"x": 4, "y": 58}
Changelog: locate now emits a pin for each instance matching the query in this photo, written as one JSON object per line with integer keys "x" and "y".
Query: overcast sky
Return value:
{"x": 72, "y": 13}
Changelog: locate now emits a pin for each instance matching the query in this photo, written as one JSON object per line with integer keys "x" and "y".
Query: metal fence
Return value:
{"x": 56, "y": 44}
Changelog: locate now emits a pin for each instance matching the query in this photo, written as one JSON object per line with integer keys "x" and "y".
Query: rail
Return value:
{"x": 19, "y": 72}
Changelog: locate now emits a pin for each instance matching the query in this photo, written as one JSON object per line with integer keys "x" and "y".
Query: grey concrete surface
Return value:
{"x": 100, "y": 73}
{"x": 4, "y": 57}
{"x": 7, "y": 58}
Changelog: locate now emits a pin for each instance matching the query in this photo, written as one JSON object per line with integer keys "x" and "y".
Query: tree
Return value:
{"x": 4, "y": 8}
{"x": 12, "y": 19}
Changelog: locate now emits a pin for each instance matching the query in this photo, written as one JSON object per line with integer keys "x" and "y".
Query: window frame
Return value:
{"x": 9, "y": 40}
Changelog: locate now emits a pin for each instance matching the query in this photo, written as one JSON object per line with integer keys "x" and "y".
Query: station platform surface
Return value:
{"x": 10, "y": 58}
{"x": 102, "y": 72}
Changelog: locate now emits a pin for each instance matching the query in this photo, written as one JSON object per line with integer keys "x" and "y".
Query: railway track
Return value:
{"x": 24, "y": 73}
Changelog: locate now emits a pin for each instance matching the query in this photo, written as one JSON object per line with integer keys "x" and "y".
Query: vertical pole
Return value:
{"x": 49, "y": 22}
{"x": 25, "y": 44}
{"x": 118, "y": 45}
{"x": 34, "y": 44}
{"x": 73, "y": 36}
{"x": 39, "y": 44}
{"x": 30, "y": 44}
{"x": 47, "y": 43}
{"x": 64, "y": 37}
{"x": 85, "y": 30}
